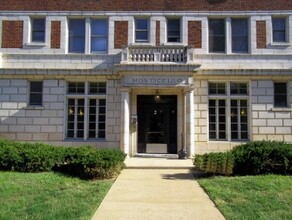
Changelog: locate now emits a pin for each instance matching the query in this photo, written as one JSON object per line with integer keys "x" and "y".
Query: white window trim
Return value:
{"x": 288, "y": 33}
{"x": 86, "y": 98}
{"x": 228, "y": 97}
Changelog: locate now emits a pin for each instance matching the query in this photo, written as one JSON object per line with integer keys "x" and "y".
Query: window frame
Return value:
{"x": 83, "y": 37}
{"x": 212, "y": 36}
{"x": 235, "y": 35}
{"x": 35, "y": 93}
{"x": 285, "y": 30}
{"x": 228, "y": 97}
{"x": 36, "y": 30}
{"x": 147, "y": 30}
{"x": 278, "y": 95}
{"x": 86, "y": 96}
{"x": 179, "y": 30}
{"x": 99, "y": 36}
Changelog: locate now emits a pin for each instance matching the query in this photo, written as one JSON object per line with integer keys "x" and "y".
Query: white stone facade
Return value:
{"x": 259, "y": 69}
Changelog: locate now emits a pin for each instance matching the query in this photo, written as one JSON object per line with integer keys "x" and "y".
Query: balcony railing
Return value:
{"x": 173, "y": 54}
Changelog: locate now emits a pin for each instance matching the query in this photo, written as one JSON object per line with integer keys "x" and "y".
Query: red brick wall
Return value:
{"x": 121, "y": 34}
{"x": 145, "y": 5}
{"x": 12, "y": 34}
{"x": 261, "y": 34}
{"x": 195, "y": 34}
{"x": 157, "y": 33}
{"x": 55, "y": 34}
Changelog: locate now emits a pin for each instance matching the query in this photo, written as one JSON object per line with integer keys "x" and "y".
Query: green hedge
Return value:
{"x": 215, "y": 163}
{"x": 83, "y": 162}
{"x": 259, "y": 157}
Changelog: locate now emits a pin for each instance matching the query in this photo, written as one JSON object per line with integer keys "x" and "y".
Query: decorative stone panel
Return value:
{"x": 261, "y": 34}
{"x": 121, "y": 34}
{"x": 12, "y": 34}
{"x": 157, "y": 33}
{"x": 195, "y": 34}
{"x": 55, "y": 34}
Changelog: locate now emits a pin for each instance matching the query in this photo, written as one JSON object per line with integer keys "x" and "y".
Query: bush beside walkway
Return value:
{"x": 83, "y": 162}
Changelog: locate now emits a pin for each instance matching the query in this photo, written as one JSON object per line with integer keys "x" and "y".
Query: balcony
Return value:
{"x": 157, "y": 54}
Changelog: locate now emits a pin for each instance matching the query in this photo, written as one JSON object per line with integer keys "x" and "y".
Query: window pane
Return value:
{"x": 279, "y": 29}
{"x": 77, "y": 35}
{"x": 38, "y": 30}
{"x": 142, "y": 24}
{"x": 238, "y": 88}
{"x": 36, "y": 93}
{"x": 216, "y": 35}
{"x": 141, "y": 36}
{"x": 75, "y": 88}
{"x": 99, "y": 44}
{"x": 280, "y": 94}
{"x": 173, "y": 30}
{"x": 99, "y": 35}
{"x": 239, "y": 35}
{"x": 99, "y": 27}
{"x": 217, "y": 88}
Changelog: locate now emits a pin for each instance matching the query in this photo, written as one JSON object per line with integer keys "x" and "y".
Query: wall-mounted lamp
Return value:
{"x": 157, "y": 97}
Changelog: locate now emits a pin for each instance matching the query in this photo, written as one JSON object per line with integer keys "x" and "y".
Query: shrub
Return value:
{"x": 89, "y": 163}
{"x": 261, "y": 157}
{"x": 83, "y": 162}
{"x": 215, "y": 163}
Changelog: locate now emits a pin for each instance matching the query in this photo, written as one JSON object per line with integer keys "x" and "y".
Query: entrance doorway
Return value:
{"x": 157, "y": 124}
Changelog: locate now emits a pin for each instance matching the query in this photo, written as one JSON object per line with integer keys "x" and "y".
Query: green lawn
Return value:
{"x": 251, "y": 197}
{"x": 49, "y": 196}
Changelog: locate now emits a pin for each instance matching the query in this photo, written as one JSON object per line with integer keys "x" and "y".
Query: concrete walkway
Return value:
{"x": 155, "y": 188}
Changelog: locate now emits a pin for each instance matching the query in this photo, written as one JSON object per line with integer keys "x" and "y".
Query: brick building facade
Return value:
{"x": 147, "y": 76}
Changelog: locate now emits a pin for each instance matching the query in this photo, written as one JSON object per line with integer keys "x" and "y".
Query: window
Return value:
{"x": 228, "y": 111}
{"x": 217, "y": 88}
{"x": 217, "y": 35}
{"x": 86, "y": 110}
{"x": 77, "y": 36}
{"x": 36, "y": 93}
{"x": 280, "y": 94}
{"x": 38, "y": 30}
{"x": 99, "y": 35}
{"x": 142, "y": 30}
{"x": 239, "y": 35}
{"x": 279, "y": 29}
{"x": 173, "y": 30}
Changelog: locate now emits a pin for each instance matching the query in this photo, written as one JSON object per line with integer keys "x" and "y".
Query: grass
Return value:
{"x": 251, "y": 197}
{"x": 49, "y": 196}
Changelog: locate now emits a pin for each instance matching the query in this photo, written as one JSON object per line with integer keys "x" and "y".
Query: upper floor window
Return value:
{"x": 239, "y": 35}
{"x": 279, "y": 29}
{"x": 217, "y": 35}
{"x": 99, "y": 35}
{"x": 36, "y": 93}
{"x": 217, "y": 88}
{"x": 38, "y": 28}
{"x": 173, "y": 30}
{"x": 77, "y": 35}
{"x": 280, "y": 94}
{"x": 142, "y": 30}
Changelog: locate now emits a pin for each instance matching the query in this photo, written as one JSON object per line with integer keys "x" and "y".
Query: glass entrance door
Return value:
{"x": 157, "y": 124}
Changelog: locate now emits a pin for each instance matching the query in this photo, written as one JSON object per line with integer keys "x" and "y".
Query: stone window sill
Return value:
{"x": 36, "y": 44}
{"x": 281, "y": 109}
{"x": 280, "y": 44}
{"x": 35, "y": 107}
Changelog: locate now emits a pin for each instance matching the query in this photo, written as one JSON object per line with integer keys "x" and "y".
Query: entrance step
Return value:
{"x": 157, "y": 163}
